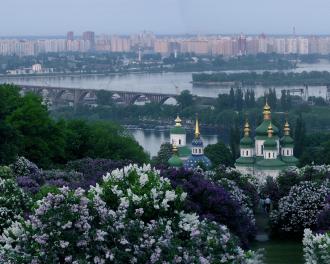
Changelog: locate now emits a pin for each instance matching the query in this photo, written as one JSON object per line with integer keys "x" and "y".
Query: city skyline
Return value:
{"x": 41, "y": 18}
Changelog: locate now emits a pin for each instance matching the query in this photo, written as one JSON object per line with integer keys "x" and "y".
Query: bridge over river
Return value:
{"x": 79, "y": 95}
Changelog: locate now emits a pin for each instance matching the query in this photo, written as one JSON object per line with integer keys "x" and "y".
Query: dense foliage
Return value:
{"x": 27, "y": 130}
{"x": 219, "y": 154}
{"x": 211, "y": 201}
{"x": 133, "y": 216}
{"x": 266, "y": 78}
{"x": 299, "y": 209}
{"x": 316, "y": 247}
{"x": 13, "y": 201}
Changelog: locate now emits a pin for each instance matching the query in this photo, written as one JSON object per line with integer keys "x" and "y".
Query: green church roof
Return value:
{"x": 287, "y": 141}
{"x": 178, "y": 130}
{"x": 247, "y": 142}
{"x": 270, "y": 144}
{"x": 175, "y": 161}
{"x": 245, "y": 161}
{"x": 290, "y": 160}
{"x": 262, "y": 129}
{"x": 271, "y": 164}
{"x": 184, "y": 151}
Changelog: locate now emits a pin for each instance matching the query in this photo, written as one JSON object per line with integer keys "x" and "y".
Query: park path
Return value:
{"x": 276, "y": 251}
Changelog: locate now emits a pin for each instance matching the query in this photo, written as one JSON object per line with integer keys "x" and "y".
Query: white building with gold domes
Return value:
{"x": 266, "y": 155}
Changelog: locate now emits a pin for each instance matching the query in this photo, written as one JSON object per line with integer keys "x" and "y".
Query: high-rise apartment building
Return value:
{"x": 70, "y": 36}
{"x": 89, "y": 36}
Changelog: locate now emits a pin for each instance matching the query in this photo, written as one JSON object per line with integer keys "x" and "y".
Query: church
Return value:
{"x": 182, "y": 155}
{"x": 267, "y": 154}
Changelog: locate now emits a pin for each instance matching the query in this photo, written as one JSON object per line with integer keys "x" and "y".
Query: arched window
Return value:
{"x": 287, "y": 152}
{"x": 200, "y": 151}
{"x": 262, "y": 149}
{"x": 268, "y": 154}
{"x": 247, "y": 153}
{"x": 179, "y": 141}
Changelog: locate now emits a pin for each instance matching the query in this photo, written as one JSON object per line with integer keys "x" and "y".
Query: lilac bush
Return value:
{"x": 30, "y": 178}
{"x": 13, "y": 201}
{"x": 94, "y": 169}
{"x": 28, "y": 175}
{"x": 316, "y": 247}
{"x": 211, "y": 201}
{"x": 247, "y": 183}
{"x": 299, "y": 209}
{"x": 294, "y": 176}
{"x": 133, "y": 216}
{"x": 323, "y": 218}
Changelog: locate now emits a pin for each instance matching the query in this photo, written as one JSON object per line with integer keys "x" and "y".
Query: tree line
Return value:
{"x": 26, "y": 129}
{"x": 265, "y": 78}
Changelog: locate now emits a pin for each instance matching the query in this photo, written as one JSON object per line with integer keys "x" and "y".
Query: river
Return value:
{"x": 151, "y": 140}
{"x": 169, "y": 83}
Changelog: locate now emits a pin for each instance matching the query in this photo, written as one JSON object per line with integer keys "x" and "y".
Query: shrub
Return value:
{"x": 323, "y": 219}
{"x": 316, "y": 247}
{"x": 291, "y": 177}
{"x": 13, "y": 201}
{"x": 133, "y": 216}
{"x": 94, "y": 169}
{"x": 211, "y": 201}
{"x": 28, "y": 175}
{"x": 247, "y": 183}
{"x": 299, "y": 209}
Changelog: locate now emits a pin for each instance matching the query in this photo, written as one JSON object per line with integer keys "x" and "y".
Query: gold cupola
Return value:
{"x": 178, "y": 121}
{"x": 247, "y": 129}
{"x": 286, "y": 128}
{"x": 267, "y": 112}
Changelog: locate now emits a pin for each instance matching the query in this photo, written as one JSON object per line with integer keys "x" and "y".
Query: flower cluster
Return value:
{"x": 94, "y": 169}
{"x": 299, "y": 209}
{"x": 238, "y": 195}
{"x": 13, "y": 201}
{"x": 213, "y": 202}
{"x": 133, "y": 216}
{"x": 316, "y": 247}
{"x": 30, "y": 178}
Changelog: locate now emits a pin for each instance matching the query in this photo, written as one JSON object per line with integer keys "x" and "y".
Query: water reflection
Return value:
{"x": 151, "y": 140}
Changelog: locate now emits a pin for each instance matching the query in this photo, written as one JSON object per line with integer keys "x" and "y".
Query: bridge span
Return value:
{"x": 79, "y": 95}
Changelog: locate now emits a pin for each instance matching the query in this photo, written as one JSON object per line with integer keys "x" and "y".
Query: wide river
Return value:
{"x": 168, "y": 83}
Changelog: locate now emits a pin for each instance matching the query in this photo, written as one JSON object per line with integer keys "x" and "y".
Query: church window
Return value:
{"x": 268, "y": 154}
{"x": 179, "y": 141}
{"x": 287, "y": 152}
{"x": 200, "y": 151}
{"x": 262, "y": 149}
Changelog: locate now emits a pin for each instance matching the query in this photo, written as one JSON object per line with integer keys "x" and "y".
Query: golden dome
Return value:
{"x": 247, "y": 129}
{"x": 178, "y": 121}
{"x": 266, "y": 111}
{"x": 286, "y": 128}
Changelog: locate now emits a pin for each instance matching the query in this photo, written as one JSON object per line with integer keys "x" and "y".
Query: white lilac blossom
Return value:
{"x": 299, "y": 209}
{"x": 316, "y": 247}
{"x": 133, "y": 216}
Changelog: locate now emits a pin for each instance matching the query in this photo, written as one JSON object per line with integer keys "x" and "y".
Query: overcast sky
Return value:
{"x": 56, "y": 17}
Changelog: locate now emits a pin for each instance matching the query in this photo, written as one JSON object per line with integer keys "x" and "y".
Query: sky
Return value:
{"x": 56, "y": 17}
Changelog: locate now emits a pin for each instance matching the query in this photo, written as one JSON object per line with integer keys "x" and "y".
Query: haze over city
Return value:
{"x": 40, "y": 17}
